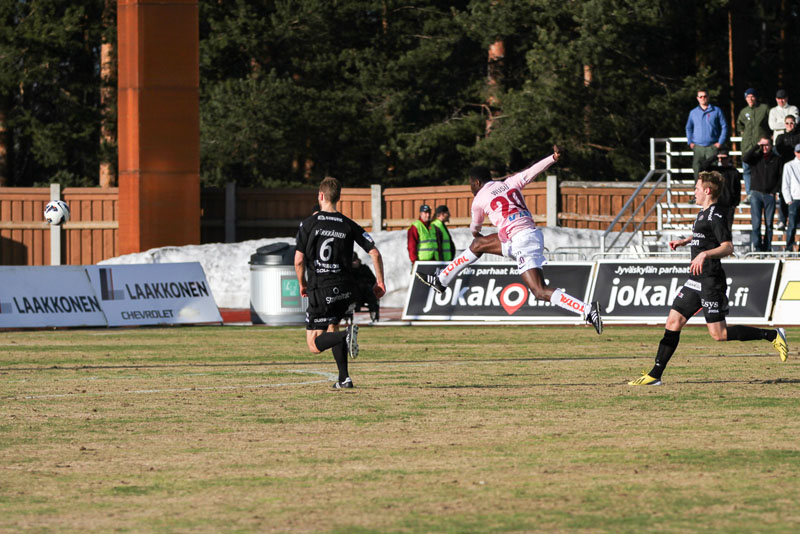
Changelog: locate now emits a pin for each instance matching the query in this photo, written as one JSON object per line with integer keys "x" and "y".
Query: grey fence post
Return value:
{"x": 377, "y": 209}
{"x": 55, "y": 229}
{"x": 230, "y": 212}
{"x": 552, "y": 201}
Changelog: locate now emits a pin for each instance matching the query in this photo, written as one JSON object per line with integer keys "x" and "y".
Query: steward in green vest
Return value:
{"x": 422, "y": 237}
{"x": 445, "y": 247}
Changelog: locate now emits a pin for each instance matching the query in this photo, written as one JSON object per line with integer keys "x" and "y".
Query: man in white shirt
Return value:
{"x": 779, "y": 112}
{"x": 790, "y": 187}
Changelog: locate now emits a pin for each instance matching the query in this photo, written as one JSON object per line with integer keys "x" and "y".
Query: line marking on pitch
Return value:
{"x": 328, "y": 377}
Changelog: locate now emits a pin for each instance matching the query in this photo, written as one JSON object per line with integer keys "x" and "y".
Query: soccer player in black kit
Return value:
{"x": 323, "y": 262}
{"x": 707, "y": 287}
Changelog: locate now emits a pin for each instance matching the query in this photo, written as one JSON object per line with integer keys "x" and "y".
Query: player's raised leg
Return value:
{"x": 534, "y": 279}
{"x": 722, "y": 332}
{"x": 480, "y": 245}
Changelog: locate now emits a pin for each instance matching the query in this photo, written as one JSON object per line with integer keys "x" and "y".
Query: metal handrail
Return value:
{"x": 665, "y": 173}
{"x": 646, "y": 215}
{"x": 638, "y": 254}
{"x": 625, "y": 207}
{"x": 774, "y": 254}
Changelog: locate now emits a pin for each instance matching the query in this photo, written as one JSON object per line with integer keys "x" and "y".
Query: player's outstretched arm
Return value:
{"x": 679, "y": 243}
{"x": 377, "y": 261}
{"x": 523, "y": 178}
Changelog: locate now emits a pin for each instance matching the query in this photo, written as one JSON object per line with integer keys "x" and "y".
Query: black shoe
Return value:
{"x": 346, "y": 384}
{"x": 431, "y": 280}
{"x": 594, "y": 318}
{"x": 352, "y": 341}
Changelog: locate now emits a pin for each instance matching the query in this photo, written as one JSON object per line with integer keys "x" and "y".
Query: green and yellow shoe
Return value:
{"x": 645, "y": 380}
{"x": 780, "y": 344}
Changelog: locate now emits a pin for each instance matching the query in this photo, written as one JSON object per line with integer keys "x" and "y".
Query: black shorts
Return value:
{"x": 328, "y": 305}
{"x": 709, "y": 294}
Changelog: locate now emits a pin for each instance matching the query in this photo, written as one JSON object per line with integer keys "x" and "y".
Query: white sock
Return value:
{"x": 568, "y": 302}
{"x": 456, "y": 266}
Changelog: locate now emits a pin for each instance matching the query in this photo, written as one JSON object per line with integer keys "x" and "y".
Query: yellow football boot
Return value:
{"x": 645, "y": 380}
{"x": 780, "y": 344}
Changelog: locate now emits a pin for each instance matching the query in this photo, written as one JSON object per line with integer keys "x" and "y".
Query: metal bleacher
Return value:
{"x": 671, "y": 181}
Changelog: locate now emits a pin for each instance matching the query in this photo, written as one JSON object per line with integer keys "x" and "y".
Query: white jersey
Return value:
{"x": 503, "y": 202}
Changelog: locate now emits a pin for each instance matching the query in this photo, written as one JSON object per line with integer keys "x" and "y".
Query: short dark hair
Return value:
{"x": 712, "y": 180}
{"x": 441, "y": 209}
{"x": 331, "y": 189}
{"x": 481, "y": 174}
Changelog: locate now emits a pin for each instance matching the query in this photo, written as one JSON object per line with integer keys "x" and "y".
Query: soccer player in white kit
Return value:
{"x": 517, "y": 237}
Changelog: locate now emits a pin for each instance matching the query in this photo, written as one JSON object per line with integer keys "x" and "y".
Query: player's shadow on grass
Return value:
{"x": 775, "y": 381}
{"x": 514, "y": 386}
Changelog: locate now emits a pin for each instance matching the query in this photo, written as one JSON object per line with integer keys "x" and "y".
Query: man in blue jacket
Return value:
{"x": 706, "y": 130}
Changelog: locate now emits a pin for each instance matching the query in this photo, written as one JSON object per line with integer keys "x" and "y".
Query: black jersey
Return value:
{"x": 326, "y": 239}
{"x": 709, "y": 231}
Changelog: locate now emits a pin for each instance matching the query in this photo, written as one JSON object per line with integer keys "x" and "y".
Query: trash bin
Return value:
{"x": 274, "y": 291}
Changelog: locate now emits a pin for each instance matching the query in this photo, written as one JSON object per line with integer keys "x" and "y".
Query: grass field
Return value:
{"x": 449, "y": 429}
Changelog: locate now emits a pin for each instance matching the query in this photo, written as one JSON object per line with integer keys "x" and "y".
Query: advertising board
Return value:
{"x": 496, "y": 292}
{"x": 48, "y": 296}
{"x": 154, "y": 293}
{"x": 642, "y": 291}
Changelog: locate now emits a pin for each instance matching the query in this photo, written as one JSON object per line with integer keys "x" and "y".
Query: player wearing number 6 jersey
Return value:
{"x": 323, "y": 261}
{"x": 517, "y": 237}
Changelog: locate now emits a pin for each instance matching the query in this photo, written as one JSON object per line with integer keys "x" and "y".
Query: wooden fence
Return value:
{"x": 88, "y": 237}
{"x": 237, "y": 214}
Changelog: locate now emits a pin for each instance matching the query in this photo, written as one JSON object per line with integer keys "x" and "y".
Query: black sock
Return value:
{"x": 328, "y": 340}
{"x": 337, "y": 342}
{"x": 750, "y": 333}
{"x": 340, "y": 355}
{"x": 666, "y": 348}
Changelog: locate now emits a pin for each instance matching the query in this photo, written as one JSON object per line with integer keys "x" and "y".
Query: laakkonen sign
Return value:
{"x": 156, "y": 293}
{"x": 495, "y": 291}
{"x": 117, "y": 295}
{"x": 49, "y": 297}
{"x": 635, "y": 291}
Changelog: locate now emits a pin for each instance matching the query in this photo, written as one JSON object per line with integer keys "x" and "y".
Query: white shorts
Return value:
{"x": 527, "y": 249}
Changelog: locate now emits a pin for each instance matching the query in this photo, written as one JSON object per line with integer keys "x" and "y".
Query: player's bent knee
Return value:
{"x": 541, "y": 293}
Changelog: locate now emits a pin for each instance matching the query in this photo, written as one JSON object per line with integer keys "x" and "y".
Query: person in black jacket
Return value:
{"x": 365, "y": 281}
{"x": 765, "y": 181}
{"x": 784, "y": 145}
{"x": 731, "y": 193}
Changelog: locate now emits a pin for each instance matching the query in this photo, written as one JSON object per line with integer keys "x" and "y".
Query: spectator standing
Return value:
{"x": 779, "y": 112}
{"x": 785, "y": 142}
{"x": 791, "y": 193}
{"x": 785, "y": 148}
{"x": 445, "y": 247}
{"x": 421, "y": 239}
{"x": 706, "y": 130}
{"x": 752, "y": 124}
{"x": 731, "y": 192}
{"x": 766, "y": 166}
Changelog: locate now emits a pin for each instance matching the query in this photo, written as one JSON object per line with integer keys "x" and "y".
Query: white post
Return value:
{"x": 230, "y": 212}
{"x": 55, "y": 229}
{"x": 377, "y": 209}
{"x": 552, "y": 201}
